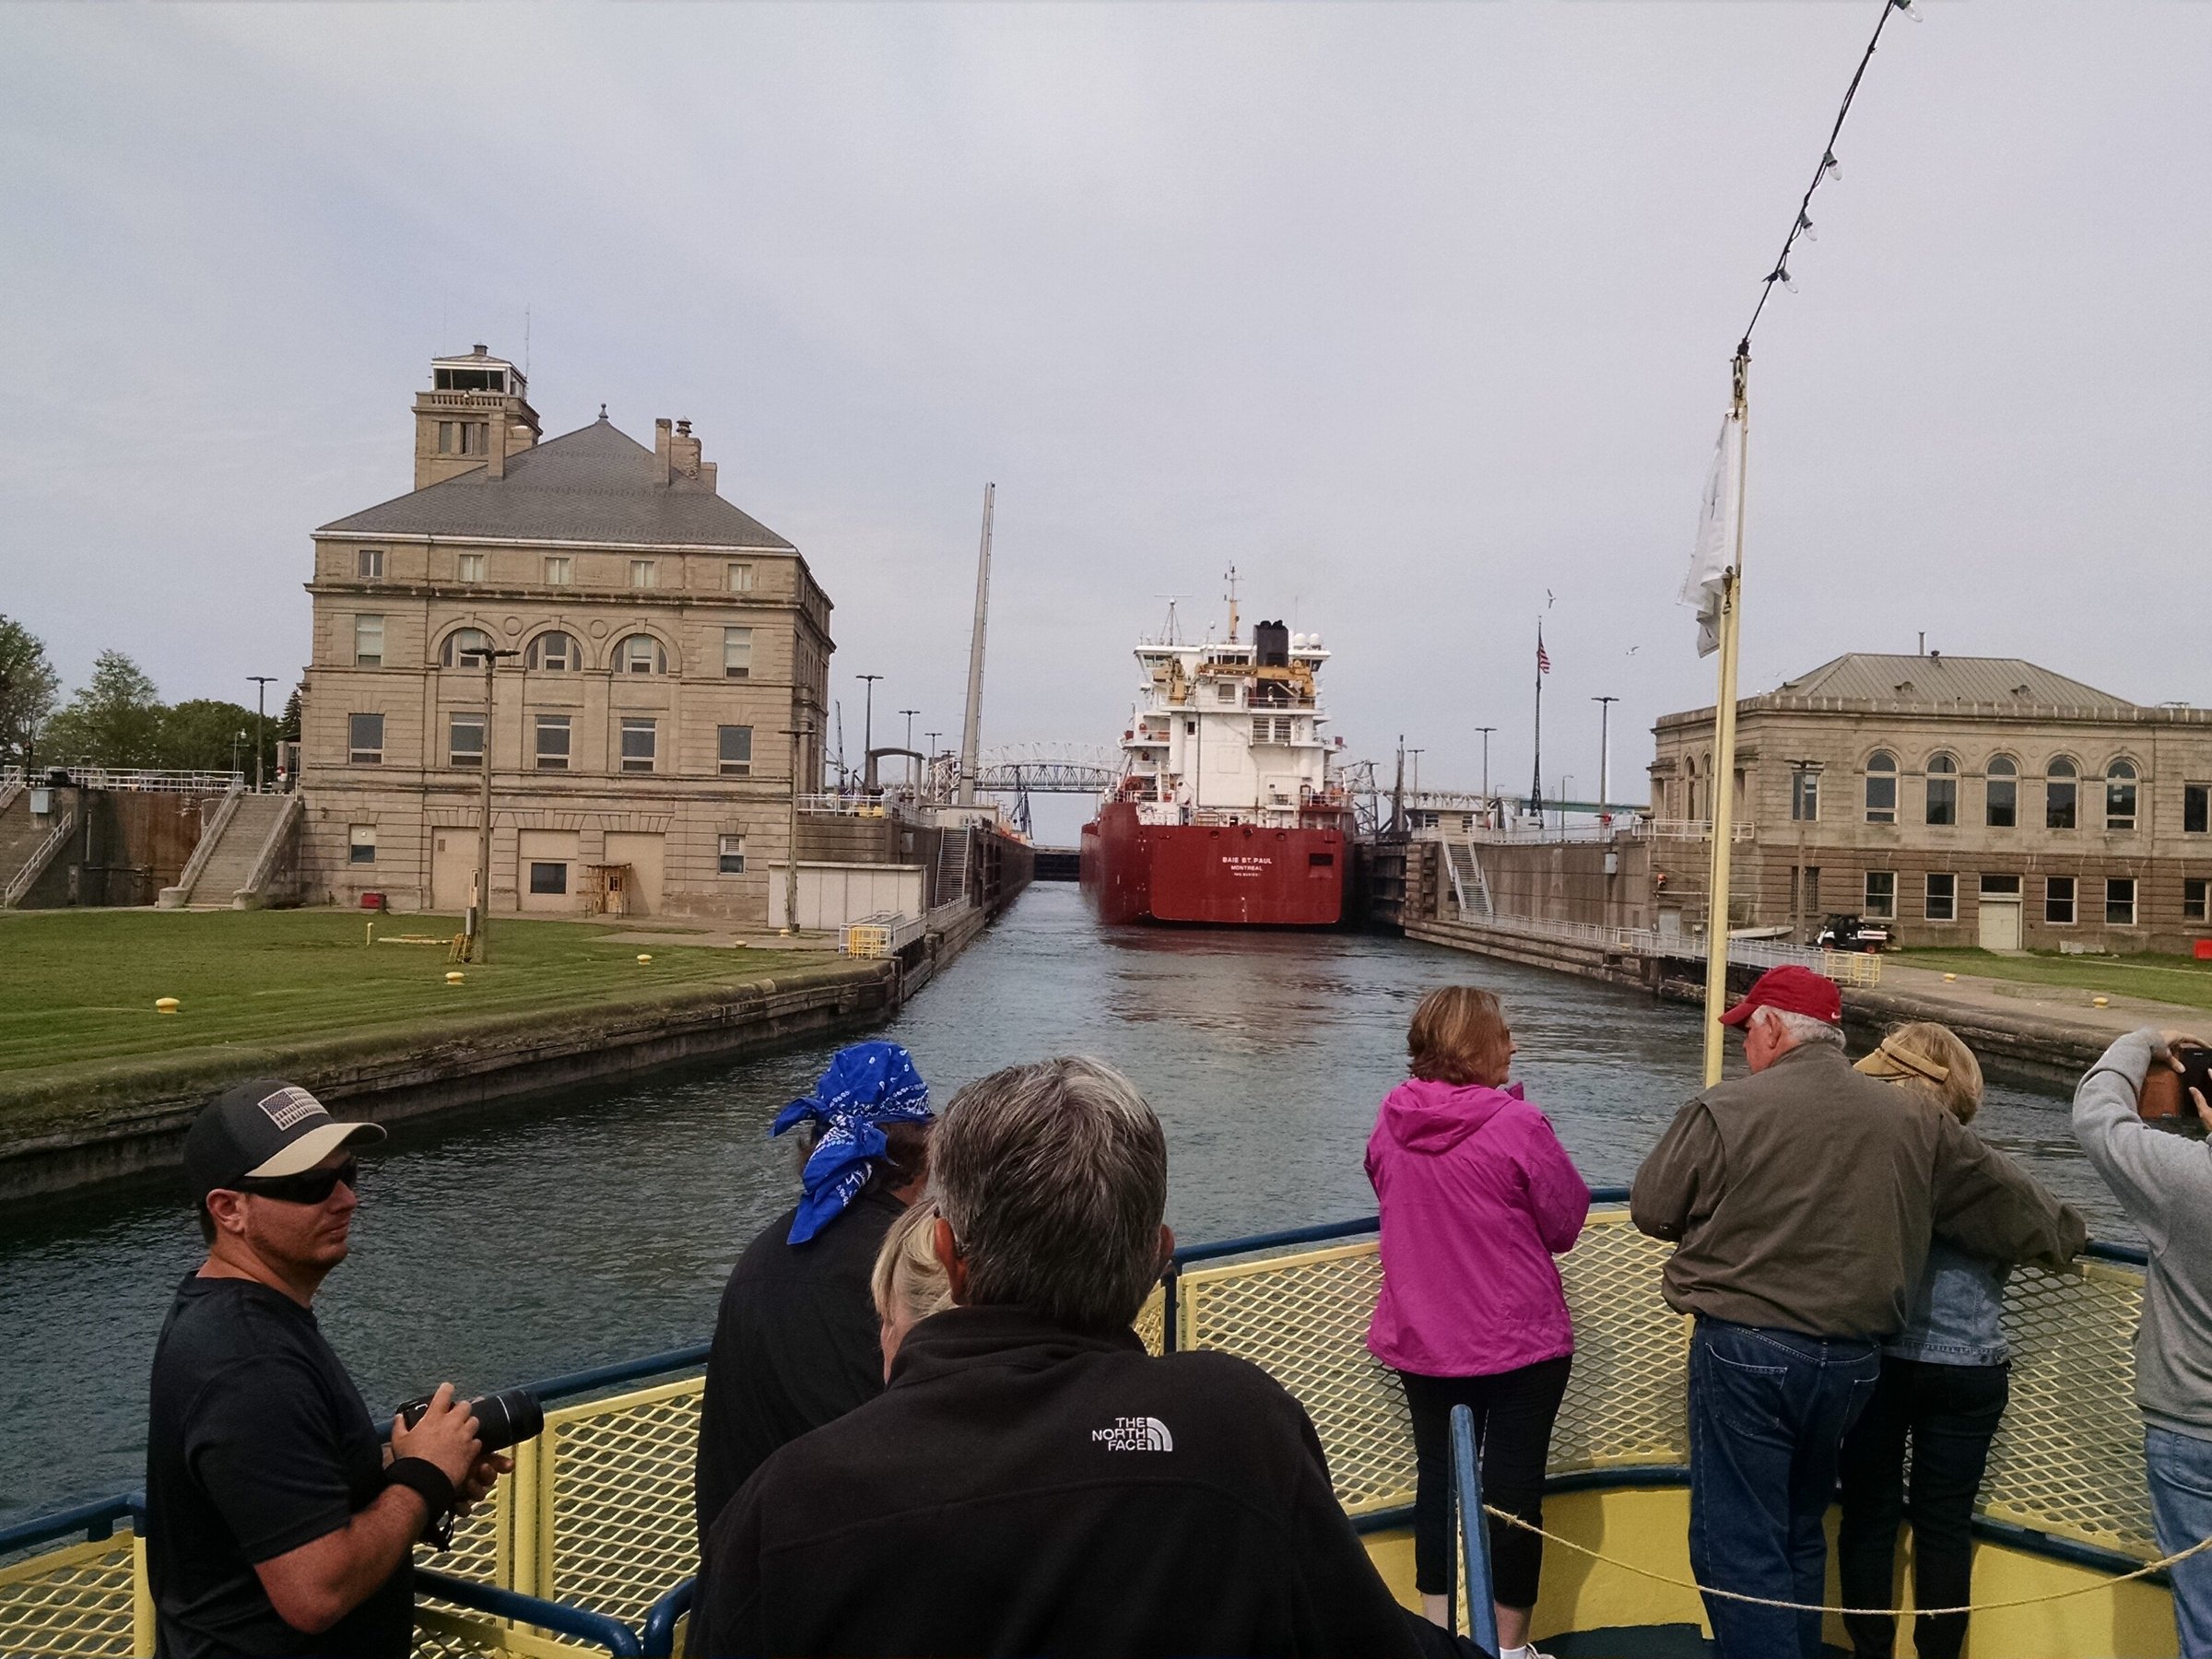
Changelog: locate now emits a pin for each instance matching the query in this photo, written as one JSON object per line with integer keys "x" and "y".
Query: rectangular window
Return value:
{"x": 640, "y": 738}
{"x": 365, "y": 739}
{"x": 2000, "y": 886}
{"x": 552, "y": 743}
{"x": 2120, "y": 797}
{"x": 548, "y": 876}
{"x": 2004, "y": 802}
{"x": 1225, "y": 694}
{"x": 2058, "y": 804}
{"x": 471, "y": 566}
{"x": 1881, "y": 895}
{"x": 465, "y": 740}
{"x": 360, "y": 845}
{"x": 737, "y": 578}
{"x": 448, "y": 443}
{"x": 1942, "y": 897}
{"x": 729, "y": 855}
{"x": 2058, "y": 900}
{"x": 1804, "y": 797}
{"x": 735, "y": 748}
{"x": 2195, "y": 897}
{"x": 2120, "y": 900}
{"x": 369, "y": 563}
{"x": 1271, "y": 728}
{"x": 1881, "y": 797}
{"x": 368, "y": 641}
{"x": 737, "y": 653}
{"x": 2196, "y": 808}
{"x": 557, "y": 572}
{"x": 644, "y": 573}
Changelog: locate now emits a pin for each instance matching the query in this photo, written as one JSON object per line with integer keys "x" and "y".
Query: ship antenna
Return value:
{"x": 1172, "y": 636}
{"x": 1232, "y": 604}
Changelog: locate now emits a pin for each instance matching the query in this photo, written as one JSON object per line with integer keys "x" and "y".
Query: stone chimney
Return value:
{"x": 663, "y": 438}
{"x": 683, "y": 451}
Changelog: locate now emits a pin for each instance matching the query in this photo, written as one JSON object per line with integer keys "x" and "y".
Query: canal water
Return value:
{"x": 539, "y": 1237}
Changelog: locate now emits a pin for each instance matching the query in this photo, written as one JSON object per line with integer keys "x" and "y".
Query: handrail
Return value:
{"x": 94, "y": 1521}
{"x": 27, "y": 877}
{"x": 621, "y": 1370}
{"x": 203, "y": 853}
{"x": 1474, "y": 1532}
{"x": 612, "y": 1634}
{"x": 1322, "y": 1231}
{"x": 662, "y": 1617}
{"x": 272, "y": 845}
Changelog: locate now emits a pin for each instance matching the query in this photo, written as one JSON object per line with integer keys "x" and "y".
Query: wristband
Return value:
{"x": 426, "y": 1479}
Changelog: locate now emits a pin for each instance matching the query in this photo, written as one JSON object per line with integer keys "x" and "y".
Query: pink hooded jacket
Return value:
{"x": 1478, "y": 1195}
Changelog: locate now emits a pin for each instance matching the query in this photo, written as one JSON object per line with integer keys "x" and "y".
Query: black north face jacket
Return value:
{"x": 1025, "y": 1490}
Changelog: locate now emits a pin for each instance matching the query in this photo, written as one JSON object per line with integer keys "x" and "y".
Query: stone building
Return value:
{"x": 639, "y": 740}
{"x": 1961, "y": 800}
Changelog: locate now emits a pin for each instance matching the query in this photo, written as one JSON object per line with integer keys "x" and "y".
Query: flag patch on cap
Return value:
{"x": 292, "y": 1104}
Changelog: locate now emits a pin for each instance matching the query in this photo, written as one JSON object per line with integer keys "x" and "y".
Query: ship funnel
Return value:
{"x": 1271, "y": 646}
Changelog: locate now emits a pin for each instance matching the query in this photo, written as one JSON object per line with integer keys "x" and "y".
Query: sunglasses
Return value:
{"x": 311, "y": 1186}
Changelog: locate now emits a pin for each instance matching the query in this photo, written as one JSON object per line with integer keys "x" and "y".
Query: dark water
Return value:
{"x": 538, "y": 1238}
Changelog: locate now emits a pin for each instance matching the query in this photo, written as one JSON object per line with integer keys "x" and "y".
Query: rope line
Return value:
{"x": 1760, "y": 1601}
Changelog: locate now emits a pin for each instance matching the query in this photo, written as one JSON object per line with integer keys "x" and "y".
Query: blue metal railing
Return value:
{"x": 560, "y": 1618}
{"x": 92, "y": 1522}
{"x": 662, "y": 1617}
{"x": 1474, "y": 1532}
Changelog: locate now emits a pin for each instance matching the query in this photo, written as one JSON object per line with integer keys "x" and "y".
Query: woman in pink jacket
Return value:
{"x": 1478, "y": 1195}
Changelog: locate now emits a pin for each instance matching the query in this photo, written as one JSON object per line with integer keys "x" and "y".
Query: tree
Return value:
{"x": 114, "y": 720}
{"x": 29, "y": 690}
{"x": 204, "y": 733}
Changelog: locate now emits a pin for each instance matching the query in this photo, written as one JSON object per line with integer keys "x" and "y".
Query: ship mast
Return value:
{"x": 1232, "y": 604}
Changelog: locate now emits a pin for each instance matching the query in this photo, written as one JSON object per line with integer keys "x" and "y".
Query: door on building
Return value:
{"x": 641, "y": 853}
{"x": 2000, "y": 921}
{"x": 452, "y": 868}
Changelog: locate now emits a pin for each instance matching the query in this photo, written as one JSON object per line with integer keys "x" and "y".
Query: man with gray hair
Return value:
{"x": 1031, "y": 1481}
{"x": 1802, "y": 1199}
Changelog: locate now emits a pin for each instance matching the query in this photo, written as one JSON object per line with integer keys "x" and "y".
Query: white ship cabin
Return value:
{"x": 1230, "y": 733}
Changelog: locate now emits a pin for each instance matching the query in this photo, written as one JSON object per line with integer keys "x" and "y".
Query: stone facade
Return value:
{"x": 668, "y": 646}
{"x": 1961, "y": 800}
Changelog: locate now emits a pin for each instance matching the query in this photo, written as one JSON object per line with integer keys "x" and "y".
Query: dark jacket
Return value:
{"x": 797, "y": 1344}
{"x": 1025, "y": 1490}
{"x": 1804, "y": 1197}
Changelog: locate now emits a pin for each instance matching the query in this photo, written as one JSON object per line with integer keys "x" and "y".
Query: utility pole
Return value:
{"x": 867, "y": 724}
{"x": 481, "y": 910}
{"x": 1417, "y": 755}
{"x": 970, "y": 729}
{"x": 1485, "y": 731}
{"x": 260, "y": 691}
{"x": 1397, "y": 791}
{"x": 1605, "y": 758}
{"x": 800, "y": 729}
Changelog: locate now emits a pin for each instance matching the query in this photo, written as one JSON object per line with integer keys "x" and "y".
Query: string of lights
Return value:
{"x": 1827, "y": 169}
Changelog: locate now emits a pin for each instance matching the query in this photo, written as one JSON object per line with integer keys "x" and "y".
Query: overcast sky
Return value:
{"x": 1416, "y": 314}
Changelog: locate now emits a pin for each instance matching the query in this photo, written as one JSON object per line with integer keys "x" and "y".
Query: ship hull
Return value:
{"x": 1227, "y": 875}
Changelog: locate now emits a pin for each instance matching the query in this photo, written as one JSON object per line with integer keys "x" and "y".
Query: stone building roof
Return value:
{"x": 593, "y": 485}
{"x": 1942, "y": 684}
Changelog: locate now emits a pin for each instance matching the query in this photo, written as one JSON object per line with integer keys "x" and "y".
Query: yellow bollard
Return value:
{"x": 165, "y": 1004}
{"x": 2101, "y": 1002}
{"x": 371, "y": 938}
{"x": 644, "y": 959}
{"x": 1949, "y": 978}
{"x": 453, "y": 978}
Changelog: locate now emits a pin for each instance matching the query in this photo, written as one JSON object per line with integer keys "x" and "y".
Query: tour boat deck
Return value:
{"x": 595, "y": 1527}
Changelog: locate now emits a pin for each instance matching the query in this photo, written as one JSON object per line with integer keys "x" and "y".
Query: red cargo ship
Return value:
{"x": 1225, "y": 812}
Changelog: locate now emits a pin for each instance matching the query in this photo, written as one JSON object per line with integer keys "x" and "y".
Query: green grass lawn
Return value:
{"x": 2180, "y": 979}
{"x": 78, "y": 986}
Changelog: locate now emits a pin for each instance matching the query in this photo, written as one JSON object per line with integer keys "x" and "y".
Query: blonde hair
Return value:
{"x": 908, "y": 1282}
{"x": 1459, "y": 1035}
{"x": 1934, "y": 1063}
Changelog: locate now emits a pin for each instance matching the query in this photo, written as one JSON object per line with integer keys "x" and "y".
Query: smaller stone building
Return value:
{"x": 666, "y": 646}
{"x": 1961, "y": 800}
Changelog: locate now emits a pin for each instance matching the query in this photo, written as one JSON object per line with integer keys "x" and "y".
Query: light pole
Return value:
{"x": 800, "y": 728}
{"x": 1800, "y": 769}
{"x": 910, "y": 714}
{"x": 1605, "y": 758}
{"x": 1415, "y": 754}
{"x": 260, "y": 691}
{"x": 238, "y": 740}
{"x": 931, "y": 738}
{"x": 477, "y": 951}
{"x": 1485, "y": 731}
{"x": 867, "y": 726}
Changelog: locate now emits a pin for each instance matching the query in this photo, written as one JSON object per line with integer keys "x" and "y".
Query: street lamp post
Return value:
{"x": 1605, "y": 758}
{"x": 910, "y": 714}
{"x": 800, "y": 729}
{"x": 477, "y": 948}
{"x": 867, "y": 725}
{"x": 260, "y": 691}
{"x": 1485, "y": 731}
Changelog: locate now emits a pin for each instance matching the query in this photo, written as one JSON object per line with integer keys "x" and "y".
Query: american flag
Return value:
{"x": 1543, "y": 657}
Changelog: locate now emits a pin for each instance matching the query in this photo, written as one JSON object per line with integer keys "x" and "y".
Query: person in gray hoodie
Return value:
{"x": 2164, "y": 1182}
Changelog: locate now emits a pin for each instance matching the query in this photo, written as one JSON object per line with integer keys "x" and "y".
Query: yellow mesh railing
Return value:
{"x": 599, "y": 1512}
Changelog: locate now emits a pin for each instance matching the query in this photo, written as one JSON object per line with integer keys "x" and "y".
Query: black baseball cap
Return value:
{"x": 264, "y": 1127}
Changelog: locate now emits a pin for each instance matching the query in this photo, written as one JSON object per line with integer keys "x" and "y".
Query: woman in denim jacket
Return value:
{"x": 1944, "y": 1382}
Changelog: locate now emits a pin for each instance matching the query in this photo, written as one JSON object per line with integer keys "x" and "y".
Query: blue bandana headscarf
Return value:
{"x": 866, "y": 1084}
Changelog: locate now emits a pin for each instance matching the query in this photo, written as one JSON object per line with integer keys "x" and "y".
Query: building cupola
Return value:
{"x": 475, "y": 414}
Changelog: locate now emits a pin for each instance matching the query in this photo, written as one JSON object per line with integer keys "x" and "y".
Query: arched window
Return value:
{"x": 1943, "y": 789}
{"x": 2002, "y": 809}
{"x": 455, "y": 653}
{"x": 2120, "y": 795}
{"x": 1881, "y": 787}
{"x": 2059, "y": 791}
{"x": 555, "y": 653}
{"x": 641, "y": 653}
{"x": 1689, "y": 782}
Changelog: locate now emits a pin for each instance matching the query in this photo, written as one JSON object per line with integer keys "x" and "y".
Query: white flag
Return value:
{"x": 1714, "y": 554}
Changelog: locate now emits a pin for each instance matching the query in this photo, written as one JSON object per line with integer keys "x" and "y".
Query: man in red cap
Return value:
{"x": 1801, "y": 1200}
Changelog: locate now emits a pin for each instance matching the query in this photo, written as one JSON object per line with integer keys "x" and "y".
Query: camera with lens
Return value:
{"x": 503, "y": 1419}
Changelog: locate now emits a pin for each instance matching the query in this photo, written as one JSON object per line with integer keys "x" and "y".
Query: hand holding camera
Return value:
{"x": 439, "y": 1430}
{"x": 2178, "y": 1094}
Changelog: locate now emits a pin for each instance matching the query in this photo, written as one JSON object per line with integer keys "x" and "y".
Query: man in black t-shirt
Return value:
{"x": 274, "y": 1523}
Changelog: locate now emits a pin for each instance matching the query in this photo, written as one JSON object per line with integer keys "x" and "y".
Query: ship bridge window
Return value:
{"x": 1271, "y": 728}
{"x": 1224, "y": 693}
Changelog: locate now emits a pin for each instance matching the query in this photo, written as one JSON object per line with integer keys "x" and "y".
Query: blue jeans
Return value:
{"x": 1768, "y": 1414}
{"x": 2180, "y": 1466}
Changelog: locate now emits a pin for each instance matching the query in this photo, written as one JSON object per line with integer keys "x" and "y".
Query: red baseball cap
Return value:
{"x": 1793, "y": 991}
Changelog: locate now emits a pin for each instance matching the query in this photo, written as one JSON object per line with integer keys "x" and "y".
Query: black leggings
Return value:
{"x": 1951, "y": 1413}
{"x": 1513, "y": 1414}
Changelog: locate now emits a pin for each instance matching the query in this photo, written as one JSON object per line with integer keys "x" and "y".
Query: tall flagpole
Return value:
{"x": 1536, "y": 781}
{"x": 1722, "y": 786}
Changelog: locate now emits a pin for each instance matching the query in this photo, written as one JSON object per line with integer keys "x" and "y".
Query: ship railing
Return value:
{"x": 594, "y": 1537}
